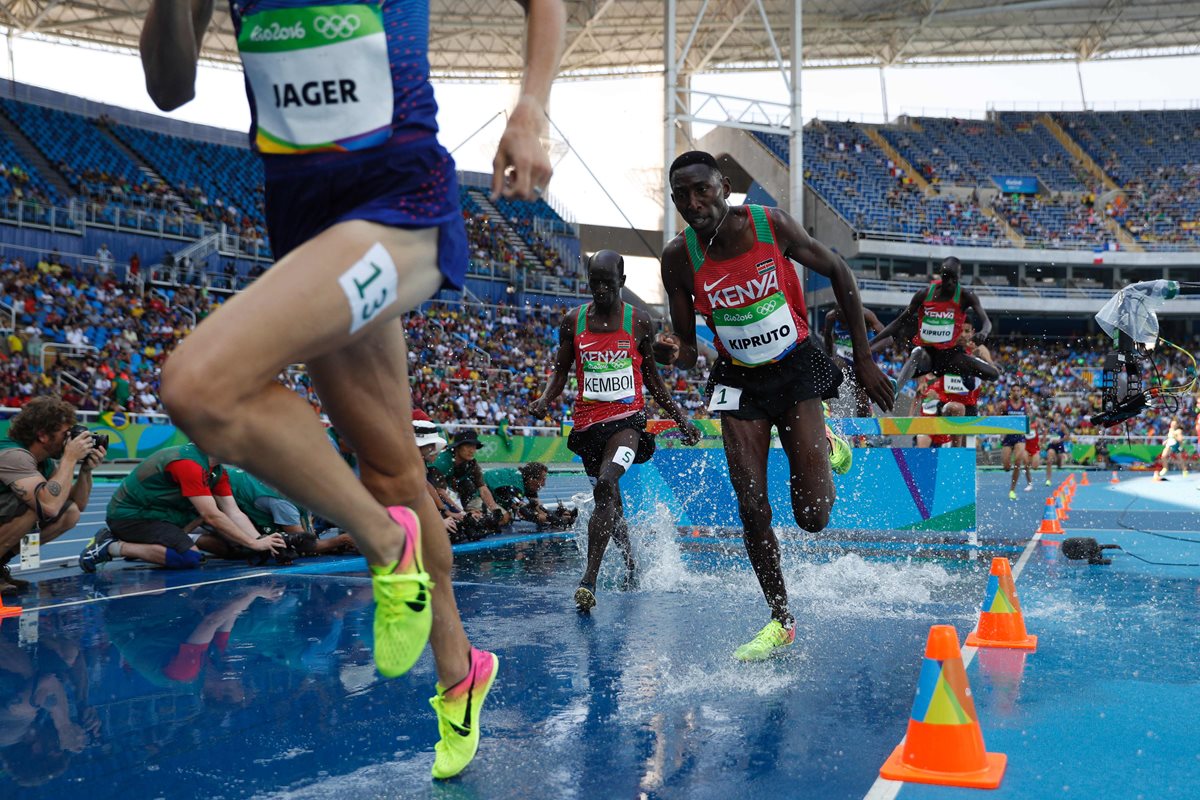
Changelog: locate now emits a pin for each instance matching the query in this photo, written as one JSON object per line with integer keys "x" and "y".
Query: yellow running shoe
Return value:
{"x": 458, "y": 712}
{"x": 841, "y": 457}
{"x": 771, "y": 638}
{"x": 403, "y": 611}
{"x": 585, "y": 599}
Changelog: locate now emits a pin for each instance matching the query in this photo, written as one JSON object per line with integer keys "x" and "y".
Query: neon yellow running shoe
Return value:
{"x": 403, "y": 611}
{"x": 458, "y": 712}
{"x": 771, "y": 638}
{"x": 1012, "y": 494}
{"x": 585, "y": 599}
{"x": 841, "y": 457}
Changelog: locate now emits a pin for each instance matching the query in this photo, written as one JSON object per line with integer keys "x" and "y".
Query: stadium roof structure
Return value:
{"x": 481, "y": 39}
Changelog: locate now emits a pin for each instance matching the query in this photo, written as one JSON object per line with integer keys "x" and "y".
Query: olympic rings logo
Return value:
{"x": 336, "y": 26}
{"x": 767, "y": 306}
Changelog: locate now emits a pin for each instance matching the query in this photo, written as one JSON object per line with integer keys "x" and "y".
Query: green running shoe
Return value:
{"x": 1012, "y": 495}
{"x": 771, "y": 638}
{"x": 458, "y": 712}
{"x": 585, "y": 599}
{"x": 403, "y": 611}
{"x": 841, "y": 457}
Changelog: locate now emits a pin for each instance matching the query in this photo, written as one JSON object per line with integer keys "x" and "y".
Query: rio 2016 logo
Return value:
{"x": 336, "y": 26}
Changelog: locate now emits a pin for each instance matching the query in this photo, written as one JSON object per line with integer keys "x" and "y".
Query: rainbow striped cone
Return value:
{"x": 1050, "y": 523}
{"x": 1000, "y": 621}
{"x": 944, "y": 744}
{"x": 1059, "y": 509}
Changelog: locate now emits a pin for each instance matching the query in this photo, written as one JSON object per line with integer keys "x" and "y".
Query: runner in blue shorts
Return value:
{"x": 1058, "y": 448}
{"x": 363, "y": 215}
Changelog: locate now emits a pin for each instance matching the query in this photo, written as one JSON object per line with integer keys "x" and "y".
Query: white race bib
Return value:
{"x": 608, "y": 381}
{"x": 953, "y": 384}
{"x": 725, "y": 398}
{"x": 929, "y": 406}
{"x": 623, "y": 457}
{"x": 321, "y": 77}
{"x": 758, "y": 333}
{"x": 937, "y": 327}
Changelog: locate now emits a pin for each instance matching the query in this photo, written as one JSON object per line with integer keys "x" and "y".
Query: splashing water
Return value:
{"x": 852, "y": 586}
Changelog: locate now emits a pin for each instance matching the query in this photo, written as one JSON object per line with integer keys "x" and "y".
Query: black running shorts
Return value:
{"x": 589, "y": 444}
{"x": 772, "y": 390}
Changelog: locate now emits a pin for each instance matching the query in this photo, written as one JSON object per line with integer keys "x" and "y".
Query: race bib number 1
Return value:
{"x": 725, "y": 398}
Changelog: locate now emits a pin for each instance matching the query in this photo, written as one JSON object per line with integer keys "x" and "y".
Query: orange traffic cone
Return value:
{"x": 944, "y": 744}
{"x": 8, "y": 611}
{"x": 1083, "y": 479}
{"x": 1060, "y": 510}
{"x": 1050, "y": 523}
{"x": 1000, "y": 622}
{"x": 1114, "y": 478}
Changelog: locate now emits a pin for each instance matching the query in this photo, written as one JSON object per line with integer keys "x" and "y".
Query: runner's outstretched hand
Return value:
{"x": 537, "y": 409}
{"x": 666, "y": 348}
{"x": 877, "y": 385}
{"x": 522, "y": 167}
{"x": 691, "y": 434}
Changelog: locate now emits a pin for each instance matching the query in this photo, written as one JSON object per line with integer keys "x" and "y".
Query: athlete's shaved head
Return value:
{"x": 952, "y": 263}
{"x": 606, "y": 258}
{"x": 691, "y": 158}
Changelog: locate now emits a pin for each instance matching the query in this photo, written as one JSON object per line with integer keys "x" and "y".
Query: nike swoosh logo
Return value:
{"x": 588, "y": 345}
{"x": 709, "y": 287}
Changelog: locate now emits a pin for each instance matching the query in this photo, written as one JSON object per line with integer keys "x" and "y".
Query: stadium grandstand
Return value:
{"x": 186, "y": 206}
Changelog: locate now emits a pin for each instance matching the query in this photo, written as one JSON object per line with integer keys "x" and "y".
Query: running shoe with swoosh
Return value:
{"x": 841, "y": 456}
{"x": 458, "y": 711}
{"x": 766, "y": 642}
{"x": 403, "y": 602}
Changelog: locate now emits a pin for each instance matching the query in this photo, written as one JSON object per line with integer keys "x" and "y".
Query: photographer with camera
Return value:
{"x": 150, "y": 510}
{"x": 271, "y": 512}
{"x": 38, "y": 487}
{"x": 516, "y": 490}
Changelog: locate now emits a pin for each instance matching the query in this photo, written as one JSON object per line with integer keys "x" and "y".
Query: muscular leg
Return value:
{"x": 220, "y": 386}
{"x": 953, "y": 409}
{"x": 747, "y": 443}
{"x": 802, "y": 434}
{"x": 364, "y": 390}
{"x": 607, "y": 518}
{"x": 1006, "y": 458}
{"x": 918, "y": 364}
{"x": 964, "y": 364}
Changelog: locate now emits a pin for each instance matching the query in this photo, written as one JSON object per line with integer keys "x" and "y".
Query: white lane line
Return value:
{"x": 163, "y": 590}
{"x": 883, "y": 789}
